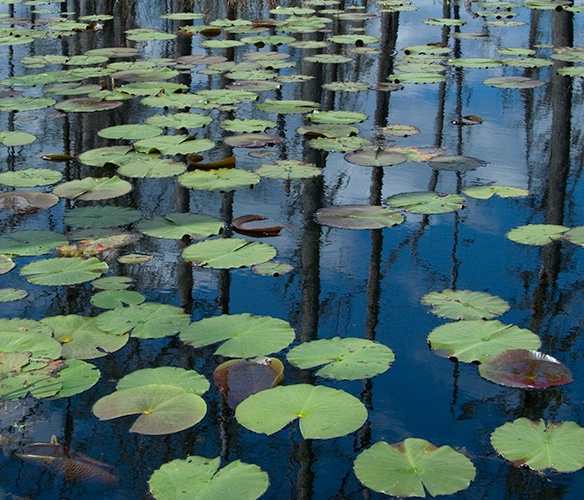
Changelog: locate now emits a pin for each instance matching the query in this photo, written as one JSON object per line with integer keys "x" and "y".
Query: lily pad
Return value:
{"x": 188, "y": 380}
{"x": 412, "y": 468}
{"x": 474, "y": 62}
{"x": 486, "y": 192}
{"x": 220, "y": 179}
{"x": 6, "y": 264}
{"x": 14, "y": 138}
{"x": 288, "y": 170}
{"x": 179, "y": 120}
{"x": 337, "y": 117}
{"x": 24, "y": 202}
{"x": 513, "y": 82}
{"x": 30, "y": 177}
{"x": 272, "y": 268}
{"x": 327, "y": 130}
{"x": 541, "y": 445}
{"x": 100, "y": 217}
{"x": 256, "y": 140}
{"x": 30, "y": 242}
{"x": 343, "y": 359}
{"x": 163, "y": 409}
{"x": 112, "y": 299}
{"x": 149, "y": 320}
{"x": 86, "y": 105}
{"x": 323, "y": 412}
{"x": 100, "y": 157}
{"x": 427, "y": 202}
{"x": 287, "y": 106}
{"x": 537, "y": 234}
{"x": 64, "y": 271}
{"x": 245, "y": 335}
{"x": 465, "y": 304}
{"x": 376, "y": 157}
{"x": 12, "y": 294}
{"x": 130, "y": 132}
{"x": 25, "y": 103}
{"x": 202, "y": 475}
{"x": 358, "y": 217}
{"x": 228, "y": 253}
{"x": 525, "y": 369}
{"x": 339, "y": 144}
{"x": 575, "y": 235}
{"x": 146, "y": 166}
{"x": 456, "y": 163}
{"x": 478, "y": 340}
{"x": 178, "y": 226}
{"x": 92, "y": 188}
{"x": 246, "y": 126}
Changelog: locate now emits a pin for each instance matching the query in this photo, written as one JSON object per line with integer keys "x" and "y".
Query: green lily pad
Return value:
{"x": 245, "y": 335}
{"x": 540, "y": 445}
{"x": 152, "y": 88}
{"x": 328, "y": 59}
{"x": 400, "y": 130}
{"x": 25, "y": 103}
{"x": 149, "y": 320}
{"x": 474, "y": 62}
{"x": 31, "y": 242}
{"x": 357, "y": 39}
{"x": 526, "y": 62}
{"x": 112, "y": 283}
{"x": 323, "y": 412}
{"x": 343, "y": 359}
{"x": 100, "y": 157}
{"x": 572, "y": 71}
{"x": 445, "y": 21}
{"x": 64, "y": 271}
{"x": 112, "y": 299}
{"x": 173, "y": 145}
{"x": 246, "y": 126}
{"x": 177, "y": 226}
{"x": 287, "y": 106}
{"x": 228, "y": 253}
{"x": 81, "y": 338}
{"x": 100, "y": 217}
{"x": 272, "y": 268}
{"x": 202, "y": 475}
{"x": 142, "y": 166}
{"x": 427, "y": 202}
{"x": 513, "y": 82}
{"x": 288, "y": 170}
{"x": 220, "y": 179}
{"x": 358, "y": 217}
{"x": 92, "y": 188}
{"x": 86, "y": 105}
{"x": 30, "y": 177}
{"x": 376, "y": 157}
{"x": 6, "y": 264}
{"x": 412, "y": 468}
{"x": 455, "y": 163}
{"x": 525, "y": 369}
{"x": 39, "y": 382}
{"x": 346, "y": 86}
{"x": 129, "y": 132}
{"x": 146, "y": 35}
{"x": 77, "y": 377}
{"x": 187, "y": 380}
{"x": 221, "y": 44}
{"x": 337, "y": 117}
{"x": 486, "y": 192}
{"x": 416, "y": 77}
{"x": 134, "y": 258}
{"x": 14, "y": 138}
{"x": 575, "y": 235}
{"x": 339, "y": 144}
{"x": 179, "y": 120}
{"x": 478, "y": 340}
{"x": 465, "y": 304}
{"x": 537, "y": 234}
{"x": 42, "y": 348}
{"x": 163, "y": 409}
{"x": 327, "y": 130}
{"x": 12, "y": 294}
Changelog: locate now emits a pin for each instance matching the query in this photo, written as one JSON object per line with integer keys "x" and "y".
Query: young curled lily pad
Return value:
{"x": 343, "y": 359}
{"x": 465, "y": 304}
{"x": 486, "y": 192}
{"x": 541, "y": 445}
{"x": 323, "y": 412}
{"x": 412, "y": 468}
{"x": 525, "y": 369}
{"x": 64, "y": 271}
{"x": 376, "y": 157}
{"x": 537, "y": 234}
{"x": 427, "y": 202}
{"x": 358, "y": 217}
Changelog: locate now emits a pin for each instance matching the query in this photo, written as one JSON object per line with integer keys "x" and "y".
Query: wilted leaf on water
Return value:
{"x": 478, "y": 340}
{"x": 163, "y": 409}
{"x": 244, "y": 335}
{"x": 376, "y": 157}
{"x": 30, "y": 242}
{"x": 188, "y": 380}
{"x": 427, "y": 202}
{"x": 73, "y": 466}
{"x": 228, "y": 253}
{"x": 468, "y": 120}
{"x": 525, "y": 369}
{"x": 63, "y": 270}
{"x": 537, "y": 234}
{"x": 178, "y": 226}
{"x": 412, "y": 468}
{"x": 456, "y": 163}
{"x": 343, "y": 358}
{"x": 235, "y": 481}
{"x": 323, "y": 412}
{"x": 465, "y": 304}
{"x": 244, "y": 224}
{"x": 12, "y": 294}
{"x": 541, "y": 445}
{"x": 239, "y": 378}
{"x": 358, "y": 217}
{"x": 486, "y": 192}
{"x": 24, "y": 202}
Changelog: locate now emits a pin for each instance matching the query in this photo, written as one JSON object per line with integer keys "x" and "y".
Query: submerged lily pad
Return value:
{"x": 537, "y": 234}
{"x": 465, "y": 304}
{"x": 245, "y": 335}
{"x": 323, "y": 412}
{"x": 100, "y": 217}
{"x": 456, "y": 163}
{"x": 513, "y": 82}
{"x": 525, "y": 369}
{"x": 478, "y": 340}
{"x": 178, "y": 226}
{"x": 358, "y": 217}
{"x": 339, "y": 144}
{"x": 272, "y": 268}
{"x": 288, "y": 170}
{"x": 64, "y": 270}
{"x": 412, "y": 468}
{"x": 427, "y": 202}
{"x": 343, "y": 359}
{"x": 202, "y": 475}
{"x": 540, "y": 445}
{"x": 92, "y": 188}
{"x": 376, "y": 157}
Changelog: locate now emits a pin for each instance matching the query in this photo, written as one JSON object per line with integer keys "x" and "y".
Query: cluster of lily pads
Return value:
{"x": 47, "y": 358}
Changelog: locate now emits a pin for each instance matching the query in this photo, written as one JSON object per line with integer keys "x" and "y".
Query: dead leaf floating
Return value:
{"x": 243, "y": 225}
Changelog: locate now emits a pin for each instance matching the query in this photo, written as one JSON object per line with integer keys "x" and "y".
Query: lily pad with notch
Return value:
{"x": 25, "y": 103}
{"x": 253, "y": 140}
{"x": 537, "y": 234}
{"x": 288, "y": 170}
{"x": 486, "y": 192}
{"x": 101, "y": 157}
{"x": 92, "y": 188}
{"x": 178, "y": 226}
{"x": 64, "y": 271}
{"x": 247, "y": 125}
{"x": 179, "y": 120}
{"x": 149, "y": 166}
{"x": 287, "y": 106}
{"x": 427, "y": 202}
{"x": 130, "y": 132}
{"x": 101, "y": 216}
{"x": 376, "y": 157}
{"x": 228, "y": 253}
{"x": 465, "y": 304}
{"x": 220, "y": 179}
{"x": 358, "y": 217}
{"x": 31, "y": 242}
{"x": 173, "y": 145}
{"x": 112, "y": 299}
{"x": 188, "y": 380}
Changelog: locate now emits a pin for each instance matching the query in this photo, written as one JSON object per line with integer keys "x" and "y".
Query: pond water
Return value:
{"x": 363, "y": 283}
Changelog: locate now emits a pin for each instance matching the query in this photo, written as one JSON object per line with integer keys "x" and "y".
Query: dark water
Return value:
{"x": 344, "y": 283}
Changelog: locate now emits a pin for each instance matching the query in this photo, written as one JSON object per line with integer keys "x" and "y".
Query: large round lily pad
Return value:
{"x": 177, "y": 226}
{"x": 64, "y": 270}
{"x": 92, "y": 188}
{"x": 343, "y": 359}
{"x": 358, "y": 217}
{"x": 372, "y": 157}
{"x": 427, "y": 202}
{"x": 478, "y": 340}
{"x": 188, "y": 380}
{"x": 179, "y": 120}
{"x": 100, "y": 217}
{"x": 30, "y": 177}
{"x": 102, "y": 156}
{"x": 456, "y": 163}
{"x": 86, "y": 105}
{"x": 323, "y": 412}
{"x": 337, "y": 117}
{"x": 540, "y": 445}
{"x": 235, "y": 481}
{"x": 142, "y": 165}
{"x": 228, "y": 253}
{"x": 221, "y": 179}
{"x": 537, "y": 234}
{"x": 31, "y": 242}
{"x": 288, "y": 170}
{"x": 130, "y": 132}
{"x": 244, "y": 335}
{"x": 465, "y": 304}
{"x": 412, "y": 468}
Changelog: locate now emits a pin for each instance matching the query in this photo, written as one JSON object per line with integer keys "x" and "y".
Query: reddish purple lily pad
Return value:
{"x": 525, "y": 369}
{"x": 253, "y": 140}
